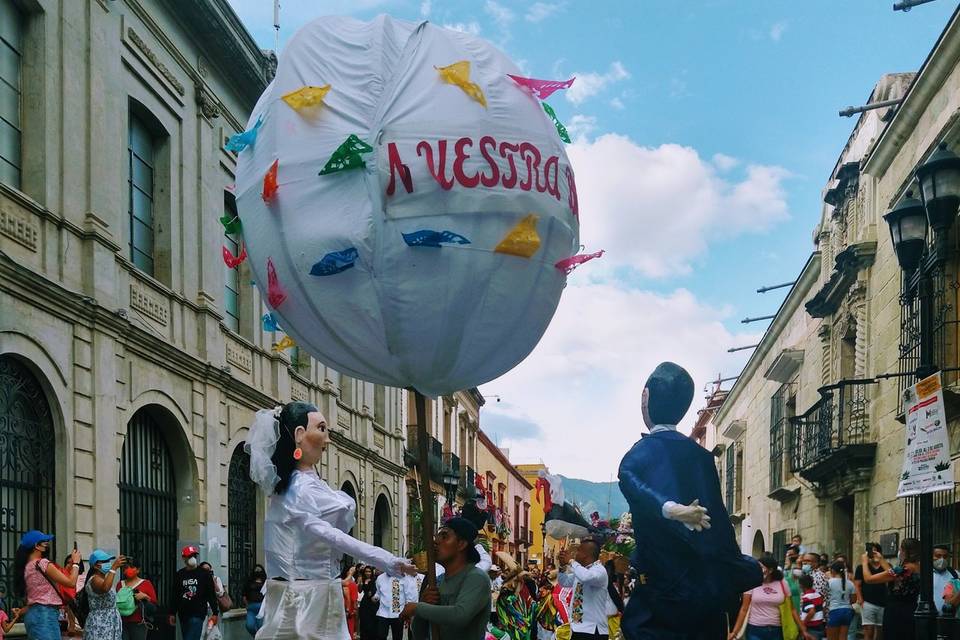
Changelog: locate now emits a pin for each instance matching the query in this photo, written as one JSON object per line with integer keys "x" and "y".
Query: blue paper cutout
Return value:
{"x": 335, "y": 262}
{"x": 428, "y": 238}
{"x": 270, "y": 323}
{"x": 240, "y": 141}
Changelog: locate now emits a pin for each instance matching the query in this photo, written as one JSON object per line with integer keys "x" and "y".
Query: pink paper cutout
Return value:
{"x": 567, "y": 265}
{"x": 542, "y": 89}
{"x": 275, "y": 293}
{"x": 233, "y": 261}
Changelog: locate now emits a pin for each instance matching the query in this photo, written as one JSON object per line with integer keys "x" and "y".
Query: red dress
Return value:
{"x": 351, "y": 597}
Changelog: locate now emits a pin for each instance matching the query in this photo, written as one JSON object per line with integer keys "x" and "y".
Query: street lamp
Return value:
{"x": 450, "y": 482}
{"x": 543, "y": 539}
{"x": 921, "y": 261}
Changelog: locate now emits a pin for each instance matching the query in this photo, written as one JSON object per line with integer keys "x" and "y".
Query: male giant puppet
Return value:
{"x": 687, "y": 560}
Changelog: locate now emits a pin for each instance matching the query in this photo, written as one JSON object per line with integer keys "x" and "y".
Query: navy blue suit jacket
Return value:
{"x": 698, "y": 573}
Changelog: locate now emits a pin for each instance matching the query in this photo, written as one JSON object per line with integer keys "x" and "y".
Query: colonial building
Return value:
{"x": 813, "y": 428}
{"x": 537, "y": 534}
{"x": 508, "y": 498}
{"x": 131, "y": 358}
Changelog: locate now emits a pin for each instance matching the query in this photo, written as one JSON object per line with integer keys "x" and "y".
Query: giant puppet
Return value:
{"x": 407, "y": 209}
{"x": 689, "y": 567}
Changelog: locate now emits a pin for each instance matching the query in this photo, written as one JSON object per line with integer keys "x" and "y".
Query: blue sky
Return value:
{"x": 733, "y": 105}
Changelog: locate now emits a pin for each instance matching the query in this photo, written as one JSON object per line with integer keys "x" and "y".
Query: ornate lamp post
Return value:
{"x": 543, "y": 539}
{"x": 921, "y": 259}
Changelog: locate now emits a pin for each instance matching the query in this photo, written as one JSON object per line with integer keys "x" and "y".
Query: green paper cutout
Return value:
{"x": 347, "y": 156}
{"x": 231, "y": 224}
{"x": 561, "y": 130}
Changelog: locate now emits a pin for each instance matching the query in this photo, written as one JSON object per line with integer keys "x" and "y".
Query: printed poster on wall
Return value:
{"x": 926, "y": 462}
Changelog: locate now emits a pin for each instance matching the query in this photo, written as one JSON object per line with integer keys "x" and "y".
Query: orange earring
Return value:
{"x": 297, "y": 453}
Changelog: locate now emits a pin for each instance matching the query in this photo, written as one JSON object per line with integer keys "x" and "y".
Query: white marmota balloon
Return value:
{"x": 405, "y": 203}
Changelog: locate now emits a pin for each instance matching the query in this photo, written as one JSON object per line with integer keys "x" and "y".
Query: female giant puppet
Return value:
{"x": 687, "y": 560}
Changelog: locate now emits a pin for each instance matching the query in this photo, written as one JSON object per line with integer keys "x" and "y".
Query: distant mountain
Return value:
{"x": 593, "y": 496}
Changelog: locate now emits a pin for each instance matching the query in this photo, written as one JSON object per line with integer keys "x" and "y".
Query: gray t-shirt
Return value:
{"x": 839, "y": 596}
{"x": 464, "y": 607}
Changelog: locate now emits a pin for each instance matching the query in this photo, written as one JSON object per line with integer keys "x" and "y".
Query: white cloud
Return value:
{"x": 539, "y": 11}
{"x": 581, "y": 126}
{"x": 582, "y": 383}
{"x": 654, "y": 208}
{"x": 723, "y": 162}
{"x": 589, "y": 84}
{"x": 777, "y": 29}
{"x": 502, "y": 15}
{"x": 467, "y": 27}
{"x": 425, "y": 9}
{"x": 617, "y": 104}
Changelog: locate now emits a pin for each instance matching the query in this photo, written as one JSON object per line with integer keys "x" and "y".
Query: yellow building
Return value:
{"x": 530, "y": 474}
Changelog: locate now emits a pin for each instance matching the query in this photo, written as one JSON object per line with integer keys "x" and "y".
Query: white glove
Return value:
{"x": 692, "y": 516}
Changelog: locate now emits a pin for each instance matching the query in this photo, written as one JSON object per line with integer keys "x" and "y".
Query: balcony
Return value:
{"x": 435, "y": 457}
{"x": 468, "y": 478}
{"x": 833, "y": 436}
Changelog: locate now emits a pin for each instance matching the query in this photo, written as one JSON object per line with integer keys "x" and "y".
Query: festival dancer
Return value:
{"x": 305, "y": 532}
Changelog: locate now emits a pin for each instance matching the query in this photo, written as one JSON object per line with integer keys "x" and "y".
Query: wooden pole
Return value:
{"x": 426, "y": 497}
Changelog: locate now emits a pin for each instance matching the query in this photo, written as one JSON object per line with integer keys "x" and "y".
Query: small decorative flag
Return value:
{"x": 234, "y": 261}
{"x": 285, "y": 343}
{"x": 275, "y": 293}
{"x": 335, "y": 262}
{"x": 231, "y": 224}
{"x": 567, "y": 265}
{"x": 541, "y": 89}
{"x": 458, "y": 73}
{"x": 305, "y": 97}
{"x": 561, "y": 130}
{"x": 523, "y": 240}
{"x": 269, "y": 323}
{"x": 429, "y": 238}
{"x": 240, "y": 141}
{"x": 347, "y": 156}
{"x": 270, "y": 181}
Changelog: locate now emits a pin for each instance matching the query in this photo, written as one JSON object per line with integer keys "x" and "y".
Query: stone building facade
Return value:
{"x": 131, "y": 358}
{"x": 812, "y": 432}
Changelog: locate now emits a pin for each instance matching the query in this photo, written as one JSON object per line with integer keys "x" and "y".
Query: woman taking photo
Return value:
{"x": 103, "y": 621}
{"x": 305, "y": 532}
{"x": 36, "y": 579}
{"x": 903, "y": 587}
{"x": 763, "y": 606}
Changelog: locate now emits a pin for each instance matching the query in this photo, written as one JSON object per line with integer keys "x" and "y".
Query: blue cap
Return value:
{"x": 32, "y": 538}
{"x": 99, "y": 555}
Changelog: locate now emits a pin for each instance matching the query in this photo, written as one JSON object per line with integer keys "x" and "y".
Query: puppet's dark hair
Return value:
{"x": 670, "y": 393}
{"x": 293, "y": 415}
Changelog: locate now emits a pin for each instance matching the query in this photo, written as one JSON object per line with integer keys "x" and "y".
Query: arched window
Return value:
{"x": 759, "y": 548}
{"x": 382, "y": 524}
{"x": 27, "y": 464}
{"x": 241, "y": 522}
{"x": 148, "y": 501}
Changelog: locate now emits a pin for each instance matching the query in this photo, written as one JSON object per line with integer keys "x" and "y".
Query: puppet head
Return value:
{"x": 667, "y": 395}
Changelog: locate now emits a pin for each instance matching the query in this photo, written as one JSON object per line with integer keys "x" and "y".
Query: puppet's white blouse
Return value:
{"x": 305, "y": 533}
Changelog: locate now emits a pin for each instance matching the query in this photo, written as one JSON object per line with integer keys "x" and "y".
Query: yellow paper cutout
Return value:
{"x": 306, "y": 97}
{"x": 458, "y": 73}
{"x": 522, "y": 240}
{"x": 285, "y": 343}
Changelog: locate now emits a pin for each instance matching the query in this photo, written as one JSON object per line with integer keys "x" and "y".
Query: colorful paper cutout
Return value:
{"x": 240, "y": 141}
{"x": 269, "y": 323}
{"x": 523, "y": 240}
{"x": 458, "y": 73}
{"x": 275, "y": 293}
{"x": 567, "y": 265}
{"x": 305, "y": 97}
{"x": 270, "y": 182}
{"x": 347, "y": 156}
{"x": 285, "y": 343}
{"x": 234, "y": 261}
{"x": 231, "y": 224}
{"x": 335, "y": 262}
{"x": 429, "y": 238}
{"x": 561, "y": 130}
{"x": 541, "y": 89}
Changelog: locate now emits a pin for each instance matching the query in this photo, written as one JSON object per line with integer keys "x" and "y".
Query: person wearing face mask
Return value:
{"x": 761, "y": 607}
{"x": 306, "y": 527}
{"x": 193, "y": 591}
{"x": 103, "y": 621}
{"x": 791, "y": 573}
{"x": 811, "y": 567}
{"x": 36, "y": 579}
{"x": 903, "y": 587}
{"x": 253, "y": 598}
{"x": 145, "y": 597}
{"x": 942, "y": 574}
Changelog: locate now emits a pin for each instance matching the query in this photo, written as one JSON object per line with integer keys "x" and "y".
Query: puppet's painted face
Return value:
{"x": 313, "y": 439}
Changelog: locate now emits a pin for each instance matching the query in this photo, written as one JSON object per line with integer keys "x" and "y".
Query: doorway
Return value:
{"x": 843, "y": 527}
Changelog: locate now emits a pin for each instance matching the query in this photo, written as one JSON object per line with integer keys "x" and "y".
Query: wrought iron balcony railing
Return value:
{"x": 834, "y": 432}
{"x": 435, "y": 457}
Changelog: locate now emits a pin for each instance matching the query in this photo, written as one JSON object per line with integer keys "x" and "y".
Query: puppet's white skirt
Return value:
{"x": 303, "y": 610}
